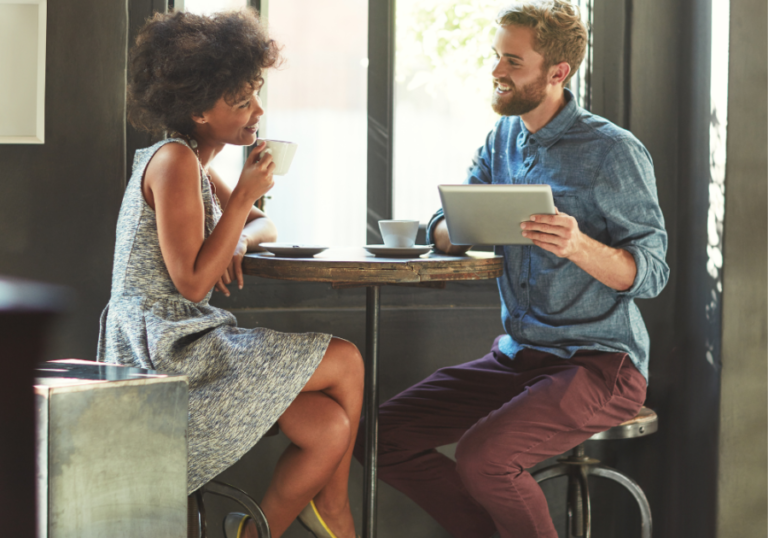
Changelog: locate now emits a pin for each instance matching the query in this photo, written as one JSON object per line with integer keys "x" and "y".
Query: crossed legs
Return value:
{"x": 321, "y": 424}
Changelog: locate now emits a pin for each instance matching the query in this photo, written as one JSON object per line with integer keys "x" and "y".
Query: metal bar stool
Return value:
{"x": 578, "y": 467}
{"x": 197, "y": 525}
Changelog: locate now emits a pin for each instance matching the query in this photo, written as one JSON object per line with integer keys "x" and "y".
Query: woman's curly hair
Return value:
{"x": 183, "y": 63}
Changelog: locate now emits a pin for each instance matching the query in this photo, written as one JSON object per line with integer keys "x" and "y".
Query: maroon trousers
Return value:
{"x": 507, "y": 416}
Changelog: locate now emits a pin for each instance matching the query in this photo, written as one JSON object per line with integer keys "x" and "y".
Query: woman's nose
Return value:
{"x": 258, "y": 109}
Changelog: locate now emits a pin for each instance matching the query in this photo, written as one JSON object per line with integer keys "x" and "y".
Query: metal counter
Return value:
{"x": 111, "y": 451}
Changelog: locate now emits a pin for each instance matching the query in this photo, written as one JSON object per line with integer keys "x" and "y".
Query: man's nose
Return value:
{"x": 497, "y": 70}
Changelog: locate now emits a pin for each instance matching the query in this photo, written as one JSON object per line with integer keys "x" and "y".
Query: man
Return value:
{"x": 574, "y": 359}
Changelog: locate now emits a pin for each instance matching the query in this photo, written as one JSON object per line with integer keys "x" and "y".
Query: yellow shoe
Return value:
{"x": 310, "y": 518}
{"x": 234, "y": 525}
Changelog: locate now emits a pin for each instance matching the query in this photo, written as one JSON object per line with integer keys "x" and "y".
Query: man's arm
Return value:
{"x": 560, "y": 235}
{"x": 443, "y": 242}
{"x": 624, "y": 192}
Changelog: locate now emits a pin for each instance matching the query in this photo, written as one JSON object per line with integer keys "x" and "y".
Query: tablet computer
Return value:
{"x": 491, "y": 214}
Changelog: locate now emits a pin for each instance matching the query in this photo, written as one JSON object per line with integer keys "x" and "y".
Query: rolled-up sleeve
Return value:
{"x": 625, "y": 191}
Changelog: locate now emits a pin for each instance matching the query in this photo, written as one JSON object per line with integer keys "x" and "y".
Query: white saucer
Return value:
{"x": 398, "y": 252}
{"x": 292, "y": 250}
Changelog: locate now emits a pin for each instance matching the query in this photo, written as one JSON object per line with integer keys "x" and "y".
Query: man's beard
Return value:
{"x": 520, "y": 101}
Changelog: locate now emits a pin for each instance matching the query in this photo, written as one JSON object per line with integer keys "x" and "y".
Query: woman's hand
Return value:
{"x": 256, "y": 178}
{"x": 234, "y": 270}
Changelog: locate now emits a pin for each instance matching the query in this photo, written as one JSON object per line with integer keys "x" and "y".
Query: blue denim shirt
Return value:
{"x": 603, "y": 176}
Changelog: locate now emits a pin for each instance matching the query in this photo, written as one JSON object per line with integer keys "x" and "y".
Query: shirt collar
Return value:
{"x": 556, "y": 128}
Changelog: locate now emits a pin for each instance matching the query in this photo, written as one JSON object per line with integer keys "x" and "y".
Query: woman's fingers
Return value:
{"x": 237, "y": 266}
{"x": 222, "y": 287}
{"x": 255, "y": 154}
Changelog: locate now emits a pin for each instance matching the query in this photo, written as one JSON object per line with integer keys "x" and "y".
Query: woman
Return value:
{"x": 181, "y": 232}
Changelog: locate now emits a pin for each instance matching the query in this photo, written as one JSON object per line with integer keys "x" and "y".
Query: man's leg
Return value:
{"x": 563, "y": 404}
{"x": 437, "y": 412}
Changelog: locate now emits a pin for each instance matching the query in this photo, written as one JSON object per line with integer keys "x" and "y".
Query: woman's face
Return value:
{"x": 233, "y": 123}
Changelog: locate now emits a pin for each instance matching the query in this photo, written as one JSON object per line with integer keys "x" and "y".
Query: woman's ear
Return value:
{"x": 199, "y": 119}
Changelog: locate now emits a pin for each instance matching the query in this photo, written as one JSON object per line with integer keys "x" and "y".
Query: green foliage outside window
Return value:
{"x": 444, "y": 46}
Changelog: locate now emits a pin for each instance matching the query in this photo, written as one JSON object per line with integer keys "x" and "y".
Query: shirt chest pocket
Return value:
{"x": 570, "y": 204}
{"x": 590, "y": 221}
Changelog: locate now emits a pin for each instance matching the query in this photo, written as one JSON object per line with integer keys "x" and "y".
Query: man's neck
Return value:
{"x": 540, "y": 116}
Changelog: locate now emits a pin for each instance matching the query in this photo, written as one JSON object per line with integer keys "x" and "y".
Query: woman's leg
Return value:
{"x": 333, "y": 500}
{"x": 322, "y": 425}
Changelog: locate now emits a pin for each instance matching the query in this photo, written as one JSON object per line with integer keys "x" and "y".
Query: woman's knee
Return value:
{"x": 347, "y": 361}
{"x": 334, "y": 432}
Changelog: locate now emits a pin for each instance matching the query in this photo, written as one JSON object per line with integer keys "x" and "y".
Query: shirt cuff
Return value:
{"x": 642, "y": 271}
{"x": 433, "y": 222}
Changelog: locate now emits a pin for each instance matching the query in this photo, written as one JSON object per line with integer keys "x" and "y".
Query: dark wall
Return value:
{"x": 742, "y": 488}
{"x": 60, "y": 203}
{"x": 60, "y": 199}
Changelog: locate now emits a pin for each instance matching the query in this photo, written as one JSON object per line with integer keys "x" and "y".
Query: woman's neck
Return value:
{"x": 206, "y": 149}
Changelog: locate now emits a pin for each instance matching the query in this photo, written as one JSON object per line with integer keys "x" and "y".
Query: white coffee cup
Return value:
{"x": 282, "y": 155}
{"x": 399, "y": 233}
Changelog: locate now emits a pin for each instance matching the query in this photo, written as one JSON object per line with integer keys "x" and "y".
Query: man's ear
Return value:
{"x": 559, "y": 72}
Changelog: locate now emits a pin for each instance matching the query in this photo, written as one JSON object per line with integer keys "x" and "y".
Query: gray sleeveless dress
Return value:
{"x": 240, "y": 380}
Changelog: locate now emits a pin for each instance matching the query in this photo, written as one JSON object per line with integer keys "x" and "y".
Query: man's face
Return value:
{"x": 519, "y": 77}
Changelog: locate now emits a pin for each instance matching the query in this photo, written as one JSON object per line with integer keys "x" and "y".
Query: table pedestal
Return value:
{"x": 372, "y": 312}
{"x": 355, "y": 267}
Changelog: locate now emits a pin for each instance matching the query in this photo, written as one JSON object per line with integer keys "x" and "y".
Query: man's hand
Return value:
{"x": 560, "y": 235}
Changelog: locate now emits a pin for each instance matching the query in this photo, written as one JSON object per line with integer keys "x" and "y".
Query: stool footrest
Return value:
{"x": 573, "y": 472}
{"x": 243, "y": 499}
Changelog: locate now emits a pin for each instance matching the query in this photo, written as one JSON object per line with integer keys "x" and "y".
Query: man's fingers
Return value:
{"x": 545, "y": 229}
{"x": 543, "y": 237}
{"x": 549, "y": 219}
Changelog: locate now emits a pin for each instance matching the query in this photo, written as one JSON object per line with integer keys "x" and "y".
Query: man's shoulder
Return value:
{"x": 600, "y": 129}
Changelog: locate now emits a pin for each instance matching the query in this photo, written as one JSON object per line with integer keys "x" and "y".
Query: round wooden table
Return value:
{"x": 350, "y": 267}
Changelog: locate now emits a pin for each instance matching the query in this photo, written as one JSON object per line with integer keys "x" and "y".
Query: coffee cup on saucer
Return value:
{"x": 399, "y": 233}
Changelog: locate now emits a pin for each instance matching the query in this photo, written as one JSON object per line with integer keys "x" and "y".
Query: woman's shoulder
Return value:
{"x": 173, "y": 161}
{"x": 168, "y": 147}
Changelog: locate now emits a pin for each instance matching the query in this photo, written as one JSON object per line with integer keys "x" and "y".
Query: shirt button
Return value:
{"x": 517, "y": 316}
{"x": 523, "y": 285}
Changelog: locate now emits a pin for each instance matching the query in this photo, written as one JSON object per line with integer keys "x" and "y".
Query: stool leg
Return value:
{"x": 203, "y": 519}
{"x": 239, "y": 496}
{"x": 195, "y": 516}
{"x": 634, "y": 489}
{"x": 578, "y": 515}
{"x": 582, "y": 506}
{"x": 553, "y": 471}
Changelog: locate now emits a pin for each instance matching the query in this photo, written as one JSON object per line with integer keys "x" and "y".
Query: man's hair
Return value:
{"x": 559, "y": 33}
{"x": 183, "y": 63}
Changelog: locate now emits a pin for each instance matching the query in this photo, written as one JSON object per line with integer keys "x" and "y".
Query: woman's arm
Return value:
{"x": 258, "y": 229}
{"x": 172, "y": 188}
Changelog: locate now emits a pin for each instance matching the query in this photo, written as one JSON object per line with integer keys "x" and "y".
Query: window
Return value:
{"x": 317, "y": 99}
{"x": 442, "y": 97}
